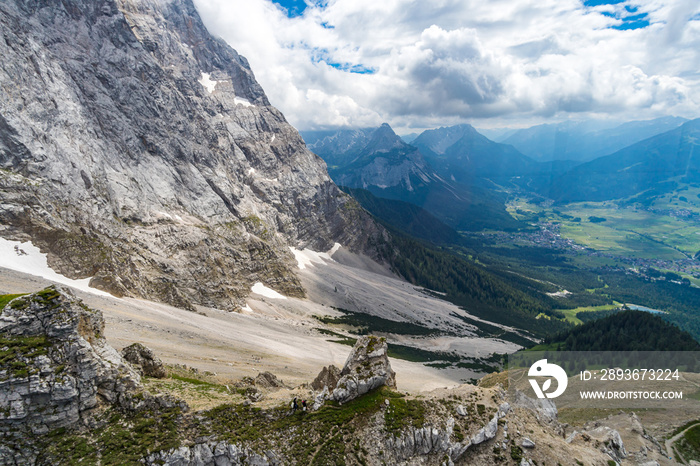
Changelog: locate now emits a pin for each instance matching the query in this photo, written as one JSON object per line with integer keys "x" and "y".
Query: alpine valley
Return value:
{"x": 185, "y": 279}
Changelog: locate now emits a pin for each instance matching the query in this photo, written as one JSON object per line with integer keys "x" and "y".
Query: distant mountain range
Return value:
{"x": 464, "y": 155}
{"x": 379, "y": 161}
{"x": 581, "y": 140}
{"x": 648, "y": 168}
{"x": 463, "y": 178}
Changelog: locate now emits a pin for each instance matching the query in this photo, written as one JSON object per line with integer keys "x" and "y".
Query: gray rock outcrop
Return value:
{"x": 268, "y": 381}
{"x": 328, "y": 377}
{"x": 138, "y": 150}
{"x": 366, "y": 368}
{"x": 415, "y": 442}
{"x": 491, "y": 428}
{"x": 60, "y": 368}
{"x": 604, "y": 438}
{"x": 544, "y": 409}
{"x": 144, "y": 361}
{"x": 211, "y": 454}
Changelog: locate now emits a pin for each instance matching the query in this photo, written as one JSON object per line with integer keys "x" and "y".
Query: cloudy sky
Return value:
{"x": 420, "y": 64}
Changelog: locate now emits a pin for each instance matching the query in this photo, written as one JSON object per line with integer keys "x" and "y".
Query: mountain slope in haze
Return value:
{"x": 335, "y": 147}
{"x": 585, "y": 140}
{"x": 382, "y": 163}
{"x": 656, "y": 164}
{"x": 139, "y": 150}
{"x": 385, "y": 161}
{"x": 409, "y": 218}
{"x": 463, "y": 154}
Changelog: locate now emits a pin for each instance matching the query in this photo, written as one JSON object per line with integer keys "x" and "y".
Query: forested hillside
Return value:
{"x": 625, "y": 331}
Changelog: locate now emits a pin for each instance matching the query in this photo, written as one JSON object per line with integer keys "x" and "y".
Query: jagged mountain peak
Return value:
{"x": 438, "y": 140}
{"x": 384, "y": 139}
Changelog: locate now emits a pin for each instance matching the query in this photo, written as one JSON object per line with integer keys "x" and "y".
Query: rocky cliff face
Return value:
{"x": 139, "y": 150}
{"x": 57, "y": 369}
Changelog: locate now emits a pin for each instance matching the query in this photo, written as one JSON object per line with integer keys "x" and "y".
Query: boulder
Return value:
{"x": 527, "y": 443}
{"x": 490, "y": 430}
{"x": 328, "y": 377}
{"x": 462, "y": 411}
{"x": 366, "y": 368}
{"x": 144, "y": 361}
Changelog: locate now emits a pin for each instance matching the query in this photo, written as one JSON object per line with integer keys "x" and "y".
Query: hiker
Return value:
{"x": 294, "y": 405}
{"x": 303, "y": 404}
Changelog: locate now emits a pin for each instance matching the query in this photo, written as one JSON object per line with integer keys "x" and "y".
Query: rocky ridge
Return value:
{"x": 58, "y": 372}
{"x": 66, "y": 395}
{"x": 138, "y": 150}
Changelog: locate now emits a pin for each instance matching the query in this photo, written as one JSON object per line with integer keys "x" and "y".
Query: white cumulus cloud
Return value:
{"x": 357, "y": 63}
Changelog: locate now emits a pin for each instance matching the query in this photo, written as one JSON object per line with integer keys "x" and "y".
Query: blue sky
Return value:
{"x": 353, "y": 63}
{"x": 293, "y": 8}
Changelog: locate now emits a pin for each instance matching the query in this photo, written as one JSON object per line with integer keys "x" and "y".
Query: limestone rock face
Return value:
{"x": 57, "y": 367}
{"x": 366, "y": 368}
{"x": 212, "y": 454}
{"x": 144, "y": 360}
{"x": 544, "y": 408}
{"x": 138, "y": 150}
{"x": 427, "y": 440}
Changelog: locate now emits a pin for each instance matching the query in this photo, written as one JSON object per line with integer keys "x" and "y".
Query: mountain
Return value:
{"x": 78, "y": 379}
{"x": 381, "y": 162}
{"x": 385, "y": 161}
{"x": 335, "y": 147}
{"x": 463, "y": 154}
{"x": 140, "y": 151}
{"x": 585, "y": 140}
{"x": 648, "y": 168}
{"x": 497, "y": 134}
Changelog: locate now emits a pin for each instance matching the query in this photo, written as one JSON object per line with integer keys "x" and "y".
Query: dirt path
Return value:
{"x": 669, "y": 444}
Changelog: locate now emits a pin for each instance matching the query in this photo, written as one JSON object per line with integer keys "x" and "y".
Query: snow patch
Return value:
{"x": 247, "y": 308}
{"x": 242, "y": 101}
{"x": 334, "y": 249}
{"x": 262, "y": 290}
{"x": 251, "y": 171}
{"x": 306, "y": 257}
{"x": 206, "y": 81}
{"x": 560, "y": 294}
{"x": 27, "y": 258}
